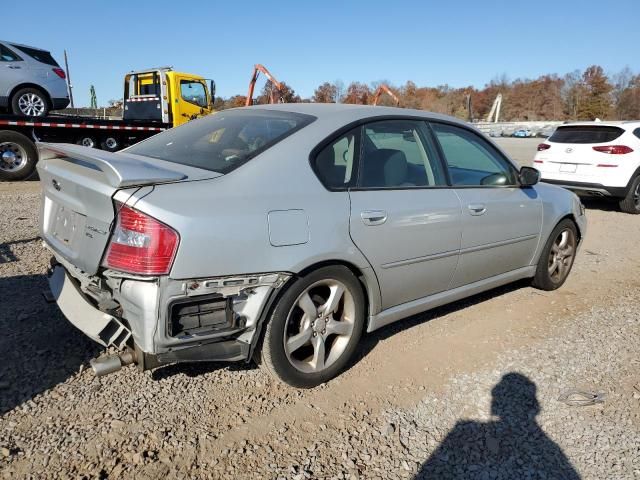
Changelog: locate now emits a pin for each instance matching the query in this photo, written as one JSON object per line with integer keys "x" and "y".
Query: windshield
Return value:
{"x": 223, "y": 141}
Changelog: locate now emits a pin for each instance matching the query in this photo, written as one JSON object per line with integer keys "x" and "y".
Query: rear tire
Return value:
{"x": 110, "y": 144}
{"x": 314, "y": 328}
{"x": 87, "y": 141}
{"x": 631, "y": 203}
{"x": 18, "y": 156}
{"x": 557, "y": 256}
{"x": 30, "y": 102}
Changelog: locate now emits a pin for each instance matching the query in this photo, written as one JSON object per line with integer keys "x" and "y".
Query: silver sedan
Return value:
{"x": 283, "y": 233}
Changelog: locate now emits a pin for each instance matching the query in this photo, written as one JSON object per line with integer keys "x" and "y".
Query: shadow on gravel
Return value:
{"x": 39, "y": 348}
{"x": 199, "y": 368}
{"x": 514, "y": 446}
{"x": 6, "y": 252}
{"x": 370, "y": 340}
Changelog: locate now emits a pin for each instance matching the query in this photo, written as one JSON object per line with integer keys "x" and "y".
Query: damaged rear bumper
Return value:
{"x": 161, "y": 320}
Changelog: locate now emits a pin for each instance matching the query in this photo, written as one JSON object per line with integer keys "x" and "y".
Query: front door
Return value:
{"x": 404, "y": 218}
{"x": 501, "y": 221}
{"x": 190, "y": 99}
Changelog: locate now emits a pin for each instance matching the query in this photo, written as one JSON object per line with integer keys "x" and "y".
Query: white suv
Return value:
{"x": 595, "y": 158}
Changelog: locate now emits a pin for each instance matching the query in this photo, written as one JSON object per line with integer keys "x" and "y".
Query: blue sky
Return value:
{"x": 457, "y": 42}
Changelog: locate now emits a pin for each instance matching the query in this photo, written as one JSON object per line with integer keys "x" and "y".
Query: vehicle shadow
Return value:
{"x": 39, "y": 347}
{"x": 369, "y": 341}
{"x": 595, "y": 203}
{"x": 513, "y": 446}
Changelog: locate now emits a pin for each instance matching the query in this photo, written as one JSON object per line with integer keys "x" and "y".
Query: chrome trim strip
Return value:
{"x": 501, "y": 243}
{"x": 410, "y": 261}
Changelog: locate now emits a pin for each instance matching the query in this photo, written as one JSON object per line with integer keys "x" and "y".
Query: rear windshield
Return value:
{"x": 585, "y": 134}
{"x": 39, "y": 55}
{"x": 223, "y": 141}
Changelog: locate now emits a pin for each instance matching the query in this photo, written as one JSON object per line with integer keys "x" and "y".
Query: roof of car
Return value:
{"x": 356, "y": 112}
{"x": 607, "y": 123}
{"x": 16, "y": 44}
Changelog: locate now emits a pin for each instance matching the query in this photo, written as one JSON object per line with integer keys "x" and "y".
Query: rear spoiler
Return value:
{"x": 121, "y": 170}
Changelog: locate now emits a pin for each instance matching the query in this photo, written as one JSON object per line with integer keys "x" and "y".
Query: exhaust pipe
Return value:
{"x": 112, "y": 363}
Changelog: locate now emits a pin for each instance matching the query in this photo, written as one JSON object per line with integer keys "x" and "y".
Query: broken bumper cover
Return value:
{"x": 145, "y": 305}
{"x": 99, "y": 326}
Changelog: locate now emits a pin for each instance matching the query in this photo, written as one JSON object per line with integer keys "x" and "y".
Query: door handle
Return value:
{"x": 15, "y": 67}
{"x": 373, "y": 217}
{"x": 477, "y": 209}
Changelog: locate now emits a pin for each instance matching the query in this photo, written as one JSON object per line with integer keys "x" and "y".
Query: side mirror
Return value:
{"x": 528, "y": 176}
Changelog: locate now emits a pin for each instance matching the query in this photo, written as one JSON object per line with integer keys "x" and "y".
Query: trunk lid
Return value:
{"x": 78, "y": 185}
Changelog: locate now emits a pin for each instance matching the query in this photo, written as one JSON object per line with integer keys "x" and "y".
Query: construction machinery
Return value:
{"x": 494, "y": 113}
{"x": 154, "y": 100}
{"x": 383, "y": 88}
{"x": 257, "y": 69}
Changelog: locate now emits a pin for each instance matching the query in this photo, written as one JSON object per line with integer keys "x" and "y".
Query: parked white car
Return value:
{"x": 595, "y": 158}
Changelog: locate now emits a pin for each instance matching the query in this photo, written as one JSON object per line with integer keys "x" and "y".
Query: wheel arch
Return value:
{"x": 31, "y": 85}
{"x": 368, "y": 282}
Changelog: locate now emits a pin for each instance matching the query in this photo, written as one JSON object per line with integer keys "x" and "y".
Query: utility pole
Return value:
{"x": 69, "y": 86}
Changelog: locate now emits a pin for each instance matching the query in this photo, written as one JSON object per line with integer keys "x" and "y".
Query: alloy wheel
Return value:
{"x": 319, "y": 326}
{"x": 31, "y": 105}
{"x": 561, "y": 255}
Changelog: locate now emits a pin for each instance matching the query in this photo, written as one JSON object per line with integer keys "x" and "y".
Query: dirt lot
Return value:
{"x": 466, "y": 391}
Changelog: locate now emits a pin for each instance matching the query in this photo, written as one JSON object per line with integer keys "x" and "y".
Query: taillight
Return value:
{"x": 543, "y": 146}
{"x": 614, "y": 149}
{"x": 141, "y": 244}
{"x": 59, "y": 72}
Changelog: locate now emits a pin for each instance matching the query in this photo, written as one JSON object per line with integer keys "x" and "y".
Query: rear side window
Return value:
{"x": 39, "y": 55}
{"x": 334, "y": 165}
{"x": 224, "y": 141}
{"x": 585, "y": 134}
{"x": 396, "y": 154}
{"x": 7, "y": 55}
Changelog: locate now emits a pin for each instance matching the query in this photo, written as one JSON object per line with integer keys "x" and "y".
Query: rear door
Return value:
{"x": 571, "y": 156}
{"x": 501, "y": 222}
{"x": 404, "y": 217}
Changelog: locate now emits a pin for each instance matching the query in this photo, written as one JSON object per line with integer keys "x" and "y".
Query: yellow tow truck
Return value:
{"x": 154, "y": 100}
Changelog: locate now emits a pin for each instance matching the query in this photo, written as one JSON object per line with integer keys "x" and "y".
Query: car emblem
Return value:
{"x": 55, "y": 184}
{"x": 569, "y": 150}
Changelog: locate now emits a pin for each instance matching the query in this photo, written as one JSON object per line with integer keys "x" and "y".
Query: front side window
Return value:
{"x": 7, "y": 55}
{"x": 334, "y": 165}
{"x": 397, "y": 154}
{"x": 193, "y": 92}
{"x": 224, "y": 141}
{"x": 636, "y": 132}
{"x": 472, "y": 161}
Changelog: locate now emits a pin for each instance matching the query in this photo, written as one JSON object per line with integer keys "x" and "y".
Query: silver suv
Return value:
{"x": 31, "y": 81}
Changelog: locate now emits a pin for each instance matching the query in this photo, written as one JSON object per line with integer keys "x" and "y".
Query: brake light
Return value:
{"x": 59, "y": 72}
{"x": 543, "y": 146}
{"x": 614, "y": 149}
{"x": 141, "y": 244}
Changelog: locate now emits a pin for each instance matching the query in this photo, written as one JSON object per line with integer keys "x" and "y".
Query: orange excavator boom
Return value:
{"x": 382, "y": 88}
{"x": 257, "y": 69}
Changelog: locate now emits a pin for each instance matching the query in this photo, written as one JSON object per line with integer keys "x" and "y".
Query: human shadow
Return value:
{"x": 514, "y": 446}
{"x": 40, "y": 348}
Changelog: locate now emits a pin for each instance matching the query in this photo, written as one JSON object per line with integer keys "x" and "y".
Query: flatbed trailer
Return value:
{"x": 154, "y": 100}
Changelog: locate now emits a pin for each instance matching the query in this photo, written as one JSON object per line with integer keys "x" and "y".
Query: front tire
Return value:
{"x": 557, "y": 257}
{"x": 18, "y": 156}
{"x": 314, "y": 328}
{"x": 631, "y": 203}
{"x": 30, "y": 102}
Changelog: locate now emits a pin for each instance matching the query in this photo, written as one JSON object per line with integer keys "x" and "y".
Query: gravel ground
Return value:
{"x": 466, "y": 391}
